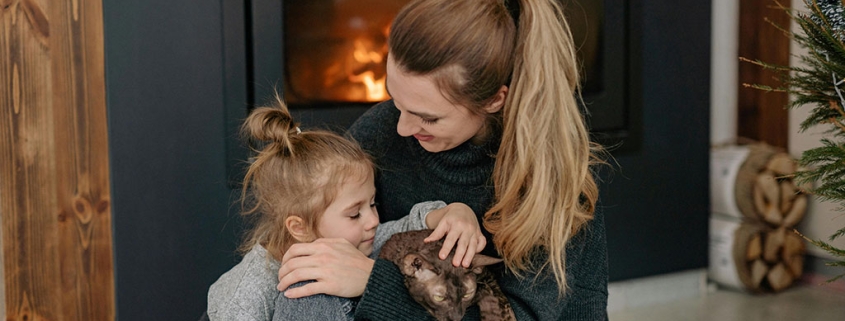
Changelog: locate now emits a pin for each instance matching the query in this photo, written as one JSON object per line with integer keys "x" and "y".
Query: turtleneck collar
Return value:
{"x": 466, "y": 164}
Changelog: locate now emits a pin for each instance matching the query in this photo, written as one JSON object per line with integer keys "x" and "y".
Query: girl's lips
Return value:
{"x": 423, "y": 138}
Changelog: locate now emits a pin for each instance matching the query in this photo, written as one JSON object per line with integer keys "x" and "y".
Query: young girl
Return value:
{"x": 304, "y": 186}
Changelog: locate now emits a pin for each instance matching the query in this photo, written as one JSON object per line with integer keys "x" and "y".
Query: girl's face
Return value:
{"x": 426, "y": 114}
{"x": 352, "y": 216}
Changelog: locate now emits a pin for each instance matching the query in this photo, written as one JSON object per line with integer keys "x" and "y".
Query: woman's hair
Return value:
{"x": 545, "y": 190}
{"x": 294, "y": 174}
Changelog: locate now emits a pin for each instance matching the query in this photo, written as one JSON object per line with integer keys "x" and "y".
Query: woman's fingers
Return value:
{"x": 482, "y": 242}
{"x": 337, "y": 268}
{"x": 437, "y": 234}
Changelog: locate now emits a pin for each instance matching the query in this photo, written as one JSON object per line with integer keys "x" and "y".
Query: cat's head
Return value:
{"x": 444, "y": 290}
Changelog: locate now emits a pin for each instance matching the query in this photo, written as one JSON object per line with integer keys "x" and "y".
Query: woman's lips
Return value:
{"x": 423, "y": 138}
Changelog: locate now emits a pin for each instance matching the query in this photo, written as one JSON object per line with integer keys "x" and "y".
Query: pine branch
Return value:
{"x": 837, "y": 234}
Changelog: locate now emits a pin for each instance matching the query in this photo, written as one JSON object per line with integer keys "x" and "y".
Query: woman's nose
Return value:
{"x": 406, "y": 127}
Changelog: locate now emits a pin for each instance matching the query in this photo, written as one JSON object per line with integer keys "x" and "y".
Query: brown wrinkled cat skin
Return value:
{"x": 442, "y": 289}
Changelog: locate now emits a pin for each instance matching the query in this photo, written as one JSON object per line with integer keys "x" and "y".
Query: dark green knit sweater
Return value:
{"x": 408, "y": 174}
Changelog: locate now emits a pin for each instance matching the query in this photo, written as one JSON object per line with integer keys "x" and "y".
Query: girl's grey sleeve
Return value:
{"x": 414, "y": 221}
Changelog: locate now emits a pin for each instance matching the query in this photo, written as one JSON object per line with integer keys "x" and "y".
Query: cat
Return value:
{"x": 444, "y": 290}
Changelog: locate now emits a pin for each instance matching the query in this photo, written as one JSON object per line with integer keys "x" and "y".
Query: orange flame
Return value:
{"x": 375, "y": 90}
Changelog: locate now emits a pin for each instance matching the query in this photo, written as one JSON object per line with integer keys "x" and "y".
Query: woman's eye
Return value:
{"x": 429, "y": 120}
{"x": 356, "y": 216}
{"x": 373, "y": 204}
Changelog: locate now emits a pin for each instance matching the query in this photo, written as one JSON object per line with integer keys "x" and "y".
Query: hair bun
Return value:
{"x": 270, "y": 124}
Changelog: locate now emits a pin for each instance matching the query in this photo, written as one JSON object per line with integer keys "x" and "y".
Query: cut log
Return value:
{"x": 773, "y": 244}
{"x": 781, "y": 164}
{"x": 795, "y": 265}
{"x": 760, "y": 205}
{"x": 770, "y": 188}
{"x": 769, "y": 185}
{"x": 788, "y": 193}
{"x": 797, "y": 212}
{"x": 793, "y": 254}
{"x": 747, "y": 175}
{"x": 779, "y": 278}
{"x": 755, "y": 248}
{"x": 759, "y": 269}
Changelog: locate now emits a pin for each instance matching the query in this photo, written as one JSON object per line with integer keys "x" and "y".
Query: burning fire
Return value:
{"x": 367, "y": 59}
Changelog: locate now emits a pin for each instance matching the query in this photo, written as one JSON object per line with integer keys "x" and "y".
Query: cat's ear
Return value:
{"x": 417, "y": 266}
{"x": 297, "y": 228}
{"x": 479, "y": 261}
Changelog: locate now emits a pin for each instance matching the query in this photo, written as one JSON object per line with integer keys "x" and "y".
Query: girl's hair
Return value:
{"x": 294, "y": 174}
{"x": 545, "y": 190}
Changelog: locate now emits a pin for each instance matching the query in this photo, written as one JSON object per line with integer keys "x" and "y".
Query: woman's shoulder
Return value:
{"x": 376, "y": 127}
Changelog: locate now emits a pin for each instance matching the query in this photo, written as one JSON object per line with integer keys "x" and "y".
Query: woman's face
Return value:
{"x": 426, "y": 114}
{"x": 352, "y": 215}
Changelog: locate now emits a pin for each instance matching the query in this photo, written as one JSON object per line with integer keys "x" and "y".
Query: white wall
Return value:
{"x": 723, "y": 71}
{"x": 822, "y": 218}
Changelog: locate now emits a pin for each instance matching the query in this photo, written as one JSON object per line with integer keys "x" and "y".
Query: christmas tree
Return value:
{"x": 818, "y": 82}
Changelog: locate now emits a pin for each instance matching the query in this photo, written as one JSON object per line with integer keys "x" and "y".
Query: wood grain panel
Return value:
{"x": 762, "y": 116}
{"x": 54, "y": 179}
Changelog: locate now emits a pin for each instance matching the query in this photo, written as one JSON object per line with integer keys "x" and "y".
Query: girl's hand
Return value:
{"x": 460, "y": 226}
{"x": 338, "y": 268}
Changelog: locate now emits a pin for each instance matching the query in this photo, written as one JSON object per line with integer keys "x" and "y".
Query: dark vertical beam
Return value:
{"x": 762, "y": 115}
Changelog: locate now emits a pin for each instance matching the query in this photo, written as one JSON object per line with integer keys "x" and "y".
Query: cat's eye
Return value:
{"x": 438, "y": 298}
{"x": 468, "y": 295}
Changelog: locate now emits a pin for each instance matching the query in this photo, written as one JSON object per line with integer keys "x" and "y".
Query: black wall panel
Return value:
{"x": 657, "y": 200}
{"x": 174, "y": 233}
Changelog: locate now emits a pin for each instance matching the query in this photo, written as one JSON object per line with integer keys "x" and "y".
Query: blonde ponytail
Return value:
{"x": 545, "y": 191}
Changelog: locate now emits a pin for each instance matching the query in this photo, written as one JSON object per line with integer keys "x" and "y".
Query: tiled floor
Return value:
{"x": 802, "y": 302}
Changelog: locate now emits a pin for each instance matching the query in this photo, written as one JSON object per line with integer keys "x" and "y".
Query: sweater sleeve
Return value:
{"x": 533, "y": 296}
{"x": 414, "y": 221}
{"x": 315, "y": 307}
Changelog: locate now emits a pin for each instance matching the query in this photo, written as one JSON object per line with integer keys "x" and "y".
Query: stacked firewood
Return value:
{"x": 769, "y": 256}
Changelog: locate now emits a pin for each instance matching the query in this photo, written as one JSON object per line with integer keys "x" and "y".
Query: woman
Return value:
{"x": 485, "y": 117}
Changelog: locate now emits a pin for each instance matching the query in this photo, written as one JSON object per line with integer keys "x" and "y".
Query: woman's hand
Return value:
{"x": 338, "y": 268}
{"x": 459, "y": 224}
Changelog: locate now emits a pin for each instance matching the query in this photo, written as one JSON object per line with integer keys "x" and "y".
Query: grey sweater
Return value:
{"x": 248, "y": 292}
{"x": 408, "y": 174}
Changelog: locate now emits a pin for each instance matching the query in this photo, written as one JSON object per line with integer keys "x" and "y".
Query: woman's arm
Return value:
{"x": 532, "y": 297}
{"x": 315, "y": 307}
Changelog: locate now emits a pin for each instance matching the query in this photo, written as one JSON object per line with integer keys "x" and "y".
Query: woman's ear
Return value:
{"x": 498, "y": 101}
{"x": 297, "y": 228}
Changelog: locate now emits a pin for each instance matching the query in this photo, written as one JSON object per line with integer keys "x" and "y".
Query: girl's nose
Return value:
{"x": 372, "y": 219}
